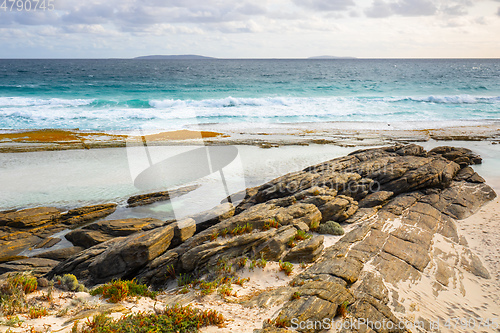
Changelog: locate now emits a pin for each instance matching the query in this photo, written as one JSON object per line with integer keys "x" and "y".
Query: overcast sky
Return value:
{"x": 254, "y": 29}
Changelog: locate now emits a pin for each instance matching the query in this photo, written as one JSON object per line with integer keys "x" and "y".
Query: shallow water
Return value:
{"x": 67, "y": 179}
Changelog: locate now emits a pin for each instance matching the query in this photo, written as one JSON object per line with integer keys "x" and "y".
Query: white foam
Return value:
{"x": 27, "y": 101}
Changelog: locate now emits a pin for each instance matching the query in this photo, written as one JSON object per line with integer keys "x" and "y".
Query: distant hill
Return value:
{"x": 330, "y": 57}
{"x": 180, "y": 56}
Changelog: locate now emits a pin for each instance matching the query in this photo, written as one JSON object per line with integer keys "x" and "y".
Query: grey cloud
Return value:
{"x": 383, "y": 8}
{"x": 89, "y": 15}
{"x": 251, "y": 9}
{"x": 498, "y": 11}
{"x": 36, "y": 18}
{"x": 455, "y": 10}
{"x": 325, "y": 5}
{"x": 414, "y": 8}
{"x": 379, "y": 9}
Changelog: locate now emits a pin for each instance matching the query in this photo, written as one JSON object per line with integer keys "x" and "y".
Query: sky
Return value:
{"x": 251, "y": 28}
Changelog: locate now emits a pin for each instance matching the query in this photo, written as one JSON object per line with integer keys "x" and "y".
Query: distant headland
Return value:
{"x": 199, "y": 57}
{"x": 180, "y": 56}
{"x": 330, "y": 57}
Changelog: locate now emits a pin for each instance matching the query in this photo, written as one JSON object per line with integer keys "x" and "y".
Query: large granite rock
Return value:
{"x": 102, "y": 231}
{"x": 60, "y": 254}
{"x": 118, "y": 257}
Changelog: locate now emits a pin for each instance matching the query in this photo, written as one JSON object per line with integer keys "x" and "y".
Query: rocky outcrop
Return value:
{"x": 461, "y": 156}
{"x": 205, "y": 248}
{"x": 423, "y": 195}
{"x": 22, "y": 229}
{"x": 102, "y": 231}
{"x": 206, "y": 219}
{"x": 147, "y": 199}
{"x": 401, "y": 204}
{"x": 118, "y": 257}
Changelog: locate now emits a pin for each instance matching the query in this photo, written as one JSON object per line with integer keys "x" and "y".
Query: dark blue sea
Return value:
{"x": 121, "y": 95}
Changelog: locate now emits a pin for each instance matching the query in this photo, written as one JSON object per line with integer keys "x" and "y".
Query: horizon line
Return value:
{"x": 270, "y": 58}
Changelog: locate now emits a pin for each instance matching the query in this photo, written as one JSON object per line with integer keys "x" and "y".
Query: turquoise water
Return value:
{"x": 121, "y": 95}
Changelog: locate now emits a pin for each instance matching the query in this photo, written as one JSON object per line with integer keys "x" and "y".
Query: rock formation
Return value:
{"x": 401, "y": 204}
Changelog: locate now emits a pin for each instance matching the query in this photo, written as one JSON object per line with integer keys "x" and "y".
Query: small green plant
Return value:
{"x": 13, "y": 292}
{"x": 303, "y": 265}
{"x": 314, "y": 225}
{"x": 239, "y": 281}
{"x": 296, "y": 295}
{"x": 37, "y": 312}
{"x": 236, "y": 231}
{"x": 262, "y": 262}
{"x": 118, "y": 290}
{"x": 224, "y": 232}
{"x": 226, "y": 290}
{"x": 241, "y": 229}
{"x": 12, "y": 322}
{"x": 207, "y": 287}
{"x": 214, "y": 235}
{"x": 253, "y": 263}
{"x": 242, "y": 262}
{"x": 170, "y": 271}
{"x": 330, "y": 227}
{"x": 301, "y": 235}
{"x": 279, "y": 322}
{"x": 272, "y": 223}
{"x": 286, "y": 267}
{"x": 24, "y": 280}
{"x": 68, "y": 282}
{"x": 223, "y": 266}
{"x": 184, "y": 290}
{"x": 184, "y": 280}
{"x": 342, "y": 310}
{"x": 74, "y": 328}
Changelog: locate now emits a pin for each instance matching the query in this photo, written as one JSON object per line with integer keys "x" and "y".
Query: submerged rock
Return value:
{"x": 87, "y": 214}
{"x": 147, "y": 199}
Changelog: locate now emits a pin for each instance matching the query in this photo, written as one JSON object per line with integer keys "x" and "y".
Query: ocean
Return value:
{"x": 122, "y": 95}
